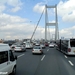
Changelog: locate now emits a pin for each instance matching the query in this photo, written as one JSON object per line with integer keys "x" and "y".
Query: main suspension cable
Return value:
{"x": 37, "y": 25}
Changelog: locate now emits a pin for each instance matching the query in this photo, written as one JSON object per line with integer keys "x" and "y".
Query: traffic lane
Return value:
{"x": 33, "y": 72}
{"x": 20, "y": 53}
{"x": 54, "y": 63}
{"x": 71, "y": 58}
{"x": 28, "y": 63}
{"x": 28, "y": 52}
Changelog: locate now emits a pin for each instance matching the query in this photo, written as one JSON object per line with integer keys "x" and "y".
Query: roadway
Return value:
{"x": 52, "y": 62}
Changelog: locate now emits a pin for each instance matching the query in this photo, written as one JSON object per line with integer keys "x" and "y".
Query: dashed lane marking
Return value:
{"x": 43, "y": 58}
{"x": 47, "y": 49}
{"x": 71, "y": 63}
{"x": 21, "y": 55}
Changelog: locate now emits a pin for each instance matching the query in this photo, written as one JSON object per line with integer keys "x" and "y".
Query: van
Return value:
{"x": 7, "y": 60}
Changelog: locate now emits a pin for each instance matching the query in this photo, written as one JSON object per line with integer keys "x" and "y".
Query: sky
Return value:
{"x": 18, "y": 18}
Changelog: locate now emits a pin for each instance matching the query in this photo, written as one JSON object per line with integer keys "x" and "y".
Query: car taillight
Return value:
{"x": 69, "y": 50}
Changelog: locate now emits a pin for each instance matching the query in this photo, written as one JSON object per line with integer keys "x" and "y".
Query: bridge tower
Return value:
{"x": 51, "y": 24}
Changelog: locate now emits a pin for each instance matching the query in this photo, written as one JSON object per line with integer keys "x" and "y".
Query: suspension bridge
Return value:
{"x": 48, "y": 23}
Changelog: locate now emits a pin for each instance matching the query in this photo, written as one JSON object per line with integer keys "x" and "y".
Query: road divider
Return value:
{"x": 43, "y": 58}
{"x": 71, "y": 63}
{"x": 21, "y": 55}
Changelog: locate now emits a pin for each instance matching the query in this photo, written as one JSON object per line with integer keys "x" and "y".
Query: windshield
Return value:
{"x": 72, "y": 42}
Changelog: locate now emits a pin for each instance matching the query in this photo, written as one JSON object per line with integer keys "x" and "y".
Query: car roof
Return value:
{"x": 4, "y": 47}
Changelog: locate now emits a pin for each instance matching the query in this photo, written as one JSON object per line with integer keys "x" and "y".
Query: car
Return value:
{"x": 46, "y": 44}
{"x": 42, "y": 45}
{"x": 12, "y": 47}
{"x": 28, "y": 45}
{"x": 19, "y": 48}
{"x": 37, "y": 44}
{"x": 37, "y": 50}
{"x": 52, "y": 45}
{"x": 7, "y": 60}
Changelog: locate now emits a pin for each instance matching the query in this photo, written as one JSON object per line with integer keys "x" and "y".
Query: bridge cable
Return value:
{"x": 37, "y": 25}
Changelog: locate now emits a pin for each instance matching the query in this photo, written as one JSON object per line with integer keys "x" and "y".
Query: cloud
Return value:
{"x": 39, "y": 7}
{"x": 6, "y": 19}
{"x": 15, "y": 9}
{"x": 15, "y": 27}
{"x": 3, "y": 2}
{"x": 67, "y": 10}
{"x": 2, "y": 8}
{"x": 67, "y": 32}
{"x": 14, "y": 4}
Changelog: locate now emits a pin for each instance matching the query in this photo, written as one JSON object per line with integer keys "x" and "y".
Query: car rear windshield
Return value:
{"x": 19, "y": 46}
{"x": 72, "y": 42}
{"x": 36, "y": 47}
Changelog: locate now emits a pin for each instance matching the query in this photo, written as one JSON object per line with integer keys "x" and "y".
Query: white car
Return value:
{"x": 37, "y": 50}
{"x": 52, "y": 45}
{"x": 7, "y": 60}
{"x": 42, "y": 45}
{"x": 37, "y": 44}
{"x": 28, "y": 45}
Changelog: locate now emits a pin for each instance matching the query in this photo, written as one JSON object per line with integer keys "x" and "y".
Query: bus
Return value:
{"x": 67, "y": 46}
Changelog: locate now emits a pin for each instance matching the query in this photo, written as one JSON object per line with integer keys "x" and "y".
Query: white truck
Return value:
{"x": 7, "y": 60}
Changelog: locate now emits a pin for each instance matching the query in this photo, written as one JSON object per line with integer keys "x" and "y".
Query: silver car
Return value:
{"x": 37, "y": 50}
{"x": 19, "y": 48}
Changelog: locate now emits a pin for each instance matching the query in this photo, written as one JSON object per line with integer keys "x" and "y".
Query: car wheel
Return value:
{"x": 24, "y": 50}
{"x": 14, "y": 71}
{"x": 42, "y": 53}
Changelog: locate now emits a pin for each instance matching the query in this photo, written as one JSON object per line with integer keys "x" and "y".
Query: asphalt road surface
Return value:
{"x": 52, "y": 62}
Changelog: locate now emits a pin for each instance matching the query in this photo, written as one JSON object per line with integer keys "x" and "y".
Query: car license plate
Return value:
{"x": 36, "y": 50}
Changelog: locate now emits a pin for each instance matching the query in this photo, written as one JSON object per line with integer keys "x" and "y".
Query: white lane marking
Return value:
{"x": 65, "y": 56}
{"x": 71, "y": 63}
{"x": 47, "y": 49}
{"x": 43, "y": 58}
{"x": 20, "y": 55}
